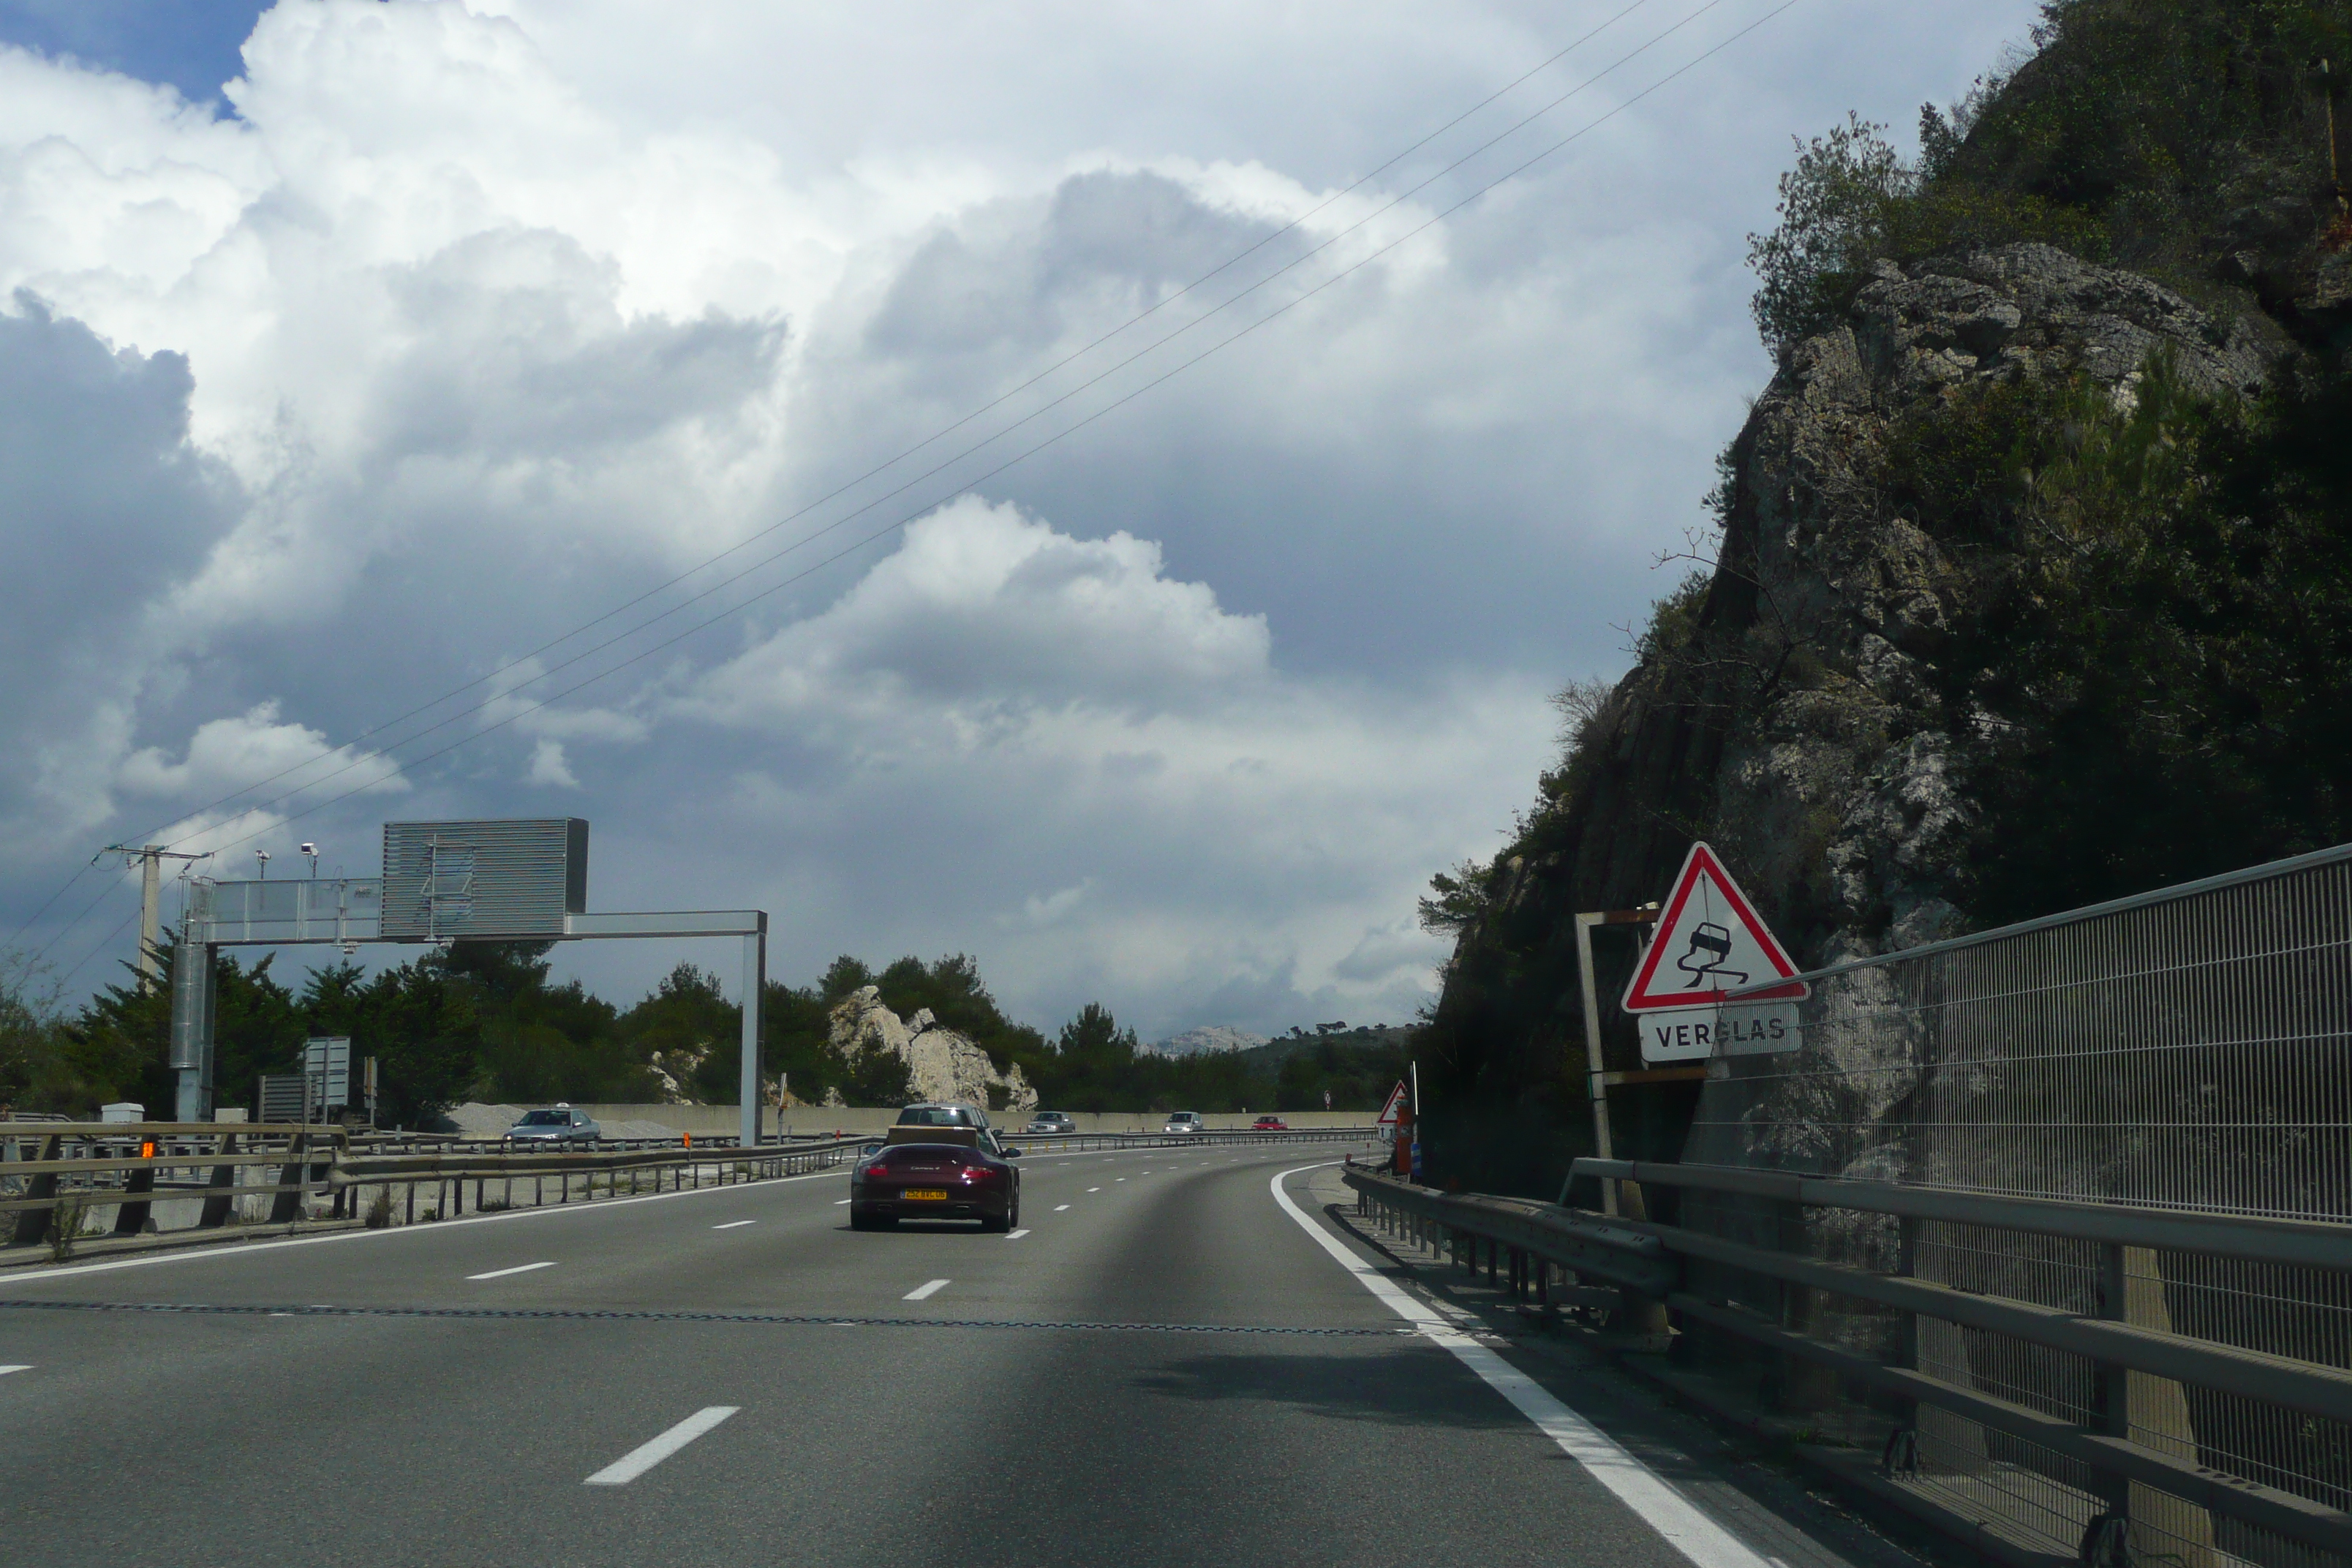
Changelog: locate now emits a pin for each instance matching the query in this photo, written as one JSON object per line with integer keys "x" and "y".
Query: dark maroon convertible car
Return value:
{"x": 960, "y": 1176}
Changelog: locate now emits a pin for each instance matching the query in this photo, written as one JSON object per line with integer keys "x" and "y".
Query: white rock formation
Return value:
{"x": 1208, "y": 1037}
{"x": 941, "y": 1064}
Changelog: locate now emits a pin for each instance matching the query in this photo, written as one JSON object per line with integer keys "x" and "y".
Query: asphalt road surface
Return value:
{"x": 1182, "y": 1359}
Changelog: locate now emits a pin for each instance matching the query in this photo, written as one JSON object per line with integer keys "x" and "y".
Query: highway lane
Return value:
{"x": 1275, "y": 1415}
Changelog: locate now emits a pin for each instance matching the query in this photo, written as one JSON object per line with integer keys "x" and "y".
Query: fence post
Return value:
{"x": 33, "y": 1224}
{"x": 286, "y": 1206}
{"x": 132, "y": 1219}
{"x": 220, "y": 1196}
{"x": 2140, "y": 1407}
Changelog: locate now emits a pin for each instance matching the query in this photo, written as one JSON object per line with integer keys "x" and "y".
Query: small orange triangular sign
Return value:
{"x": 1389, "y": 1113}
{"x": 1709, "y": 940}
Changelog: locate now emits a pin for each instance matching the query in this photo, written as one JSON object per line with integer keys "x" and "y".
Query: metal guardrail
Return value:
{"x": 1648, "y": 1258}
{"x": 680, "y": 1166}
{"x": 76, "y": 1166}
{"x": 1517, "y": 1230}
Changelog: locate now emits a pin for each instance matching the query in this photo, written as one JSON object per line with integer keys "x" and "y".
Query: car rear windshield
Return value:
{"x": 932, "y": 1116}
{"x": 919, "y": 1156}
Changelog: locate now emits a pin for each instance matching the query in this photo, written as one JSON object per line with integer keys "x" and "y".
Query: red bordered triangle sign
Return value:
{"x": 1389, "y": 1112}
{"x": 1710, "y": 940}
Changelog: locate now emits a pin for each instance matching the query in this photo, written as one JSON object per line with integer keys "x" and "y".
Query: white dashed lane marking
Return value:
{"x": 517, "y": 1269}
{"x": 1015, "y": 1236}
{"x": 5, "y": 1371}
{"x": 1094, "y": 1189}
{"x": 637, "y": 1461}
{"x": 731, "y": 1224}
{"x": 925, "y": 1292}
{"x": 1059, "y": 1207}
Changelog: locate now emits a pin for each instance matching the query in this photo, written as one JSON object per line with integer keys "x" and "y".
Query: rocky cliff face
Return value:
{"x": 941, "y": 1064}
{"x": 1784, "y": 707}
{"x": 1831, "y": 784}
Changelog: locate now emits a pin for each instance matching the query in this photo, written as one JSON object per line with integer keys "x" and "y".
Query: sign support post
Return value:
{"x": 1596, "y": 1076}
{"x": 753, "y": 1089}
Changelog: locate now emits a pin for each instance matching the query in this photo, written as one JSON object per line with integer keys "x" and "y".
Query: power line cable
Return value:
{"x": 67, "y": 887}
{"x": 944, "y": 431}
{"x": 1072, "y": 429}
{"x": 67, "y": 930}
{"x": 103, "y": 943}
{"x": 941, "y": 467}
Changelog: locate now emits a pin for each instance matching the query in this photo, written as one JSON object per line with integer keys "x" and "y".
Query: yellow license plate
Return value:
{"x": 935, "y": 1195}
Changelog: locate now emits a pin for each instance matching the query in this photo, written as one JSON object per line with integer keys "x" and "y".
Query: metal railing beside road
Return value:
{"x": 47, "y": 1168}
{"x": 230, "y": 1169}
{"x": 2220, "y": 1511}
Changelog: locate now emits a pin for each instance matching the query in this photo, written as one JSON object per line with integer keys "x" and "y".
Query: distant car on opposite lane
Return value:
{"x": 557, "y": 1124}
{"x": 1269, "y": 1124}
{"x": 1183, "y": 1121}
{"x": 1051, "y": 1121}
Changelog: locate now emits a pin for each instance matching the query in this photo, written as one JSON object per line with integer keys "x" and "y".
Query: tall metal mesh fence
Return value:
{"x": 2186, "y": 1051}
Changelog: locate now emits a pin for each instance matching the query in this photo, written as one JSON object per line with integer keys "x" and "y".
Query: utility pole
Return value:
{"x": 150, "y": 901}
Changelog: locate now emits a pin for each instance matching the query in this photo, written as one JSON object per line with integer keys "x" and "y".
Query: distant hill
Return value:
{"x": 1358, "y": 1044}
{"x": 1208, "y": 1037}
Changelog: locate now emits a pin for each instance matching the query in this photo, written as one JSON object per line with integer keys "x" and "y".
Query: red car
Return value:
{"x": 1269, "y": 1124}
{"x": 947, "y": 1180}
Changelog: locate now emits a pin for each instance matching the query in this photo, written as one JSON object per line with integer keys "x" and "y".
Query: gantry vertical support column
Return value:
{"x": 753, "y": 1089}
{"x": 193, "y": 998}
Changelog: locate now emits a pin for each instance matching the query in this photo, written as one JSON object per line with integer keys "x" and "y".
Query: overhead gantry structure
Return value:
{"x": 443, "y": 882}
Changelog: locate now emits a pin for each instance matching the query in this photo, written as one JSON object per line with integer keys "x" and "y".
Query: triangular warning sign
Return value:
{"x": 1709, "y": 940}
{"x": 1389, "y": 1112}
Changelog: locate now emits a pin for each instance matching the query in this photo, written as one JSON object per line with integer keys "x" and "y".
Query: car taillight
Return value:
{"x": 978, "y": 1175}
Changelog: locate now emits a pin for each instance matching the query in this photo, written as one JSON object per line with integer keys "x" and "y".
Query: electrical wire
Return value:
{"x": 68, "y": 886}
{"x": 365, "y": 759}
{"x": 1072, "y": 429}
{"x": 67, "y": 930}
{"x": 1284, "y": 309}
{"x": 104, "y": 943}
{"x": 940, "y": 434}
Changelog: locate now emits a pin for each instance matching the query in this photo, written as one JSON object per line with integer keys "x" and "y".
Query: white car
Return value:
{"x": 1183, "y": 1121}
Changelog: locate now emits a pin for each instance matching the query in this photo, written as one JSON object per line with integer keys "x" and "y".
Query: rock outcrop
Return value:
{"x": 941, "y": 1064}
{"x": 1208, "y": 1037}
{"x": 1833, "y": 784}
{"x": 1793, "y": 724}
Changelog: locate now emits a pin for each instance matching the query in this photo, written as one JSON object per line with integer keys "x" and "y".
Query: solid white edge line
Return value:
{"x": 246, "y": 1249}
{"x": 1684, "y": 1527}
{"x": 637, "y": 1461}
{"x": 926, "y": 1291}
{"x": 517, "y": 1269}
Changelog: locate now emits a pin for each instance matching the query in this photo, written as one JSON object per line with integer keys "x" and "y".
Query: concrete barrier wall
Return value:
{"x": 722, "y": 1119}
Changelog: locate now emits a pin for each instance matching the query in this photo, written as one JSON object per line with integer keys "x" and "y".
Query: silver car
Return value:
{"x": 1051, "y": 1121}
{"x": 1183, "y": 1121}
{"x": 557, "y": 1124}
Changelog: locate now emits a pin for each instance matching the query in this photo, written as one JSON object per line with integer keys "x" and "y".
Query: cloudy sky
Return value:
{"x": 551, "y": 407}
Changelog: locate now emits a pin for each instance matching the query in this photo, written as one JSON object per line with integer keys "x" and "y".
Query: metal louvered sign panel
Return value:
{"x": 503, "y": 879}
